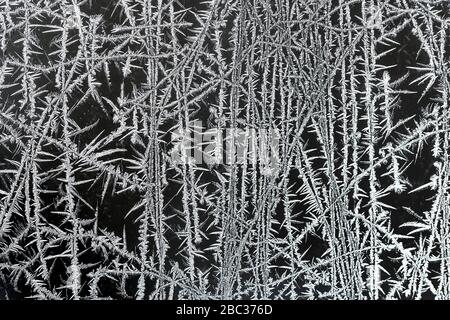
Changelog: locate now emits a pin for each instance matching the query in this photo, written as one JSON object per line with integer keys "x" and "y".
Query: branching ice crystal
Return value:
{"x": 119, "y": 177}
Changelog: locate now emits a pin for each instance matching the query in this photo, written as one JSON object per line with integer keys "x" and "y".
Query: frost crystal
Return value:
{"x": 159, "y": 149}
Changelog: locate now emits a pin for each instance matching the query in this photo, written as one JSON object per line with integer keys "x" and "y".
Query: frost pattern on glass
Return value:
{"x": 124, "y": 174}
